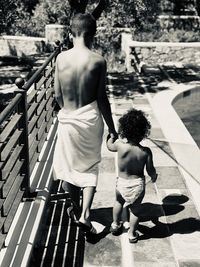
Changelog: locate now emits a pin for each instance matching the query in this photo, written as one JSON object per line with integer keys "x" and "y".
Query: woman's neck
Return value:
{"x": 81, "y": 43}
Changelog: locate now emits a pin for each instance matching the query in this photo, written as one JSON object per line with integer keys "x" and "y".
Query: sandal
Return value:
{"x": 133, "y": 238}
{"x": 116, "y": 229}
{"x": 87, "y": 228}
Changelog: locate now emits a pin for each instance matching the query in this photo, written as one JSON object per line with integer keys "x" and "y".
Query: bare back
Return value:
{"x": 131, "y": 159}
{"x": 78, "y": 77}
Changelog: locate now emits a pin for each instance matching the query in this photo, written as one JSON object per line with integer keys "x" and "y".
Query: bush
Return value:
{"x": 108, "y": 43}
{"x": 50, "y": 12}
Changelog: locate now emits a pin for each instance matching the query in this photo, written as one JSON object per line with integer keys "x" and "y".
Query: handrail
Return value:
{"x": 24, "y": 125}
{"x": 38, "y": 72}
{"x": 8, "y": 110}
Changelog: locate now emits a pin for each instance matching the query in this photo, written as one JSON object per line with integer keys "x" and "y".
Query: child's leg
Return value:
{"x": 116, "y": 226}
{"x": 134, "y": 220}
{"x": 126, "y": 217}
{"x": 117, "y": 208}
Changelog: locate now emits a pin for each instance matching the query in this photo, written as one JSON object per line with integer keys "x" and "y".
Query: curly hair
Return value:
{"x": 134, "y": 126}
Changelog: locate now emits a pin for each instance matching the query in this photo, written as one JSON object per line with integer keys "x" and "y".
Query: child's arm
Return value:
{"x": 150, "y": 166}
{"x": 110, "y": 142}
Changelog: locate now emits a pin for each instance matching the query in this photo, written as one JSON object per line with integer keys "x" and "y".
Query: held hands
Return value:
{"x": 154, "y": 178}
{"x": 112, "y": 136}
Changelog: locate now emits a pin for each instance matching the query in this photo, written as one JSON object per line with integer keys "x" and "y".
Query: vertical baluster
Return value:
{"x": 23, "y": 125}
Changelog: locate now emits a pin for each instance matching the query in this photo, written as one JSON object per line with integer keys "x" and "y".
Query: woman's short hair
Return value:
{"x": 83, "y": 24}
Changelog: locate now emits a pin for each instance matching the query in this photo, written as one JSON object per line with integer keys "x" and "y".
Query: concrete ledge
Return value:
{"x": 185, "y": 150}
{"x": 163, "y": 44}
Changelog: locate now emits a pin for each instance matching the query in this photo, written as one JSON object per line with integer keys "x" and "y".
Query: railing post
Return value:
{"x": 58, "y": 46}
{"x": 23, "y": 126}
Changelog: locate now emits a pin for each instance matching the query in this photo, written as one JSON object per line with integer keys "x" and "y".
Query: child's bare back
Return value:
{"x": 131, "y": 159}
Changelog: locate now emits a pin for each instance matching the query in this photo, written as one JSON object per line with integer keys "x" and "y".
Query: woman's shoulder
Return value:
{"x": 98, "y": 58}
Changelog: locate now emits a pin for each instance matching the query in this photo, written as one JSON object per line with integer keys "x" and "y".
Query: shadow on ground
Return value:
{"x": 171, "y": 206}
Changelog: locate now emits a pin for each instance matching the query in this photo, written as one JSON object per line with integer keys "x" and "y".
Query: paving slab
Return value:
{"x": 169, "y": 222}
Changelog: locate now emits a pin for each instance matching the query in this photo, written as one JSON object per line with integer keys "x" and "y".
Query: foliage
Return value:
{"x": 108, "y": 43}
{"x": 50, "y": 12}
{"x": 8, "y": 13}
{"x": 130, "y": 13}
{"x": 197, "y": 3}
{"x": 15, "y": 16}
{"x": 33, "y": 15}
{"x": 153, "y": 32}
{"x": 30, "y": 17}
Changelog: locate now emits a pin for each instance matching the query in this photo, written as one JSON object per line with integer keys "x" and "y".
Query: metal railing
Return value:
{"x": 24, "y": 126}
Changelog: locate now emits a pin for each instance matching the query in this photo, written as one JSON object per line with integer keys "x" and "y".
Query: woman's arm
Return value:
{"x": 111, "y": 143}
{"x": 103, "y": 102}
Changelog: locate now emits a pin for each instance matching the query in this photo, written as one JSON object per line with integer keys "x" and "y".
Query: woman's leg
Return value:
{"x": 88, "y": 195}
{"x": 74, "y": 193}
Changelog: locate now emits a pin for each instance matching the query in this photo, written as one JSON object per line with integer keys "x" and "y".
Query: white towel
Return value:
{"x": 78, "y": 147}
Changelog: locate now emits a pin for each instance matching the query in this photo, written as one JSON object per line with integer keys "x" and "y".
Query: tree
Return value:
{"x": 50, "y": 12}
{"x": 31, "y": 16}
{"x": 15, "y": 16}
{"x": 8, "y": 13}
{"x": 197, "y": 4}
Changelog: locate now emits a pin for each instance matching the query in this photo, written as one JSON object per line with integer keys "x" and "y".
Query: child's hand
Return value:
{"x": 112, "y": 137}
{"x": 110, "y": 142}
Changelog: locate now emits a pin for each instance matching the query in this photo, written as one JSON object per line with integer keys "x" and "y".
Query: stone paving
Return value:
{"x": 169, "y": 227}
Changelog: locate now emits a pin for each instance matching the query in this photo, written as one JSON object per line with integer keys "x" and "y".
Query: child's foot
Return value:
{"x": 116, "y": 229}
{"x": 126, "y": 225}
{"x": 133, "y": 238}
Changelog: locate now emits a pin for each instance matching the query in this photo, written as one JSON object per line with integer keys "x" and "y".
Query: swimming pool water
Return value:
{"x": 188, "y": 108}
{"x": 192, "y": 123}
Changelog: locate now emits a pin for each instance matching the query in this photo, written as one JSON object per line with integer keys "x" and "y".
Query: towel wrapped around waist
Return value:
{"x": 131, "y": 189}
{"x": 78, "y": 146}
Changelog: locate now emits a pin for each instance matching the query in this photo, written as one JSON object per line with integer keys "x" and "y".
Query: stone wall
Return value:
{"x": 153, "y": 53}
{"x": 24, "y": 46}
{"x": 159, "y": 53}
{"x": 187, "y": 23}
{"x": 21, "y": 45}
{"x": 178, "y": 7}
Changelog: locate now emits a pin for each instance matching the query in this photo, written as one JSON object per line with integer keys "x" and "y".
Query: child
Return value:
{"x": 132, "y": 159}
